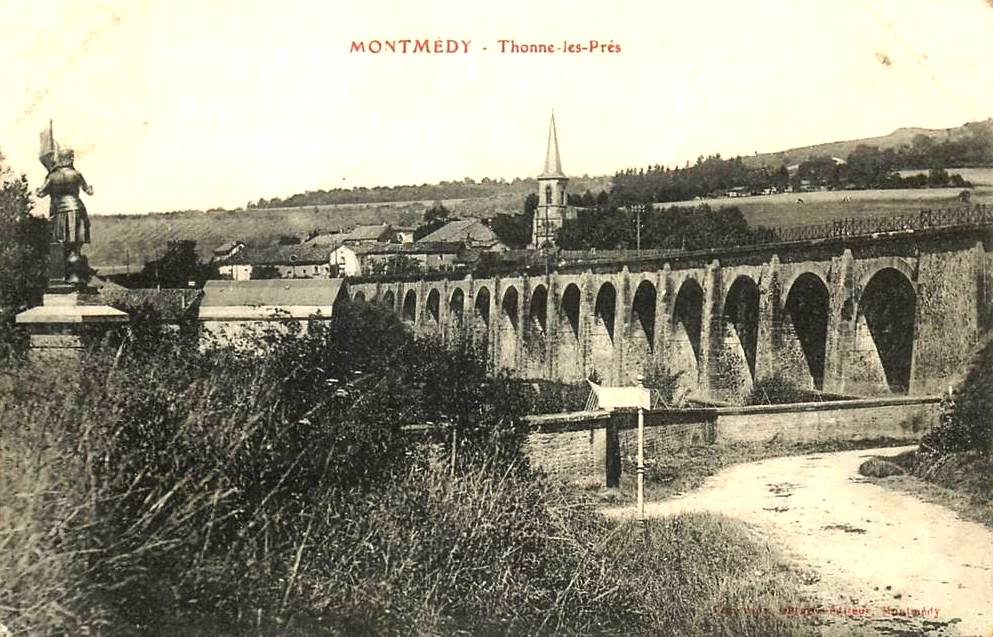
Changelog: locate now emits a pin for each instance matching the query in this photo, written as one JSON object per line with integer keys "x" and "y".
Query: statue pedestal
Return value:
{"x": 69, "y": 319}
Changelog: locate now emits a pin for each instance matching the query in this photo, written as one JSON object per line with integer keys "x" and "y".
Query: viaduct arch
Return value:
{"x": 878, "y": 316}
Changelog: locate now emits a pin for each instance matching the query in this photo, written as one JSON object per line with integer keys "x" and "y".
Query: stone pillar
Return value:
{"x": 666, "y": 301}
{"x": 587, "y": 315}
{"x": 770, "y": 320}
{"x": 623, "y": 300}
{"x": 711, "y": 325}
{"x": 551, "y": 325}
{"x": 69, "y": 319}
{"x": 841, "y": 322}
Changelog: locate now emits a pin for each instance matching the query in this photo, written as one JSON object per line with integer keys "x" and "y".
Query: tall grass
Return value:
{"x": 178, "y": 492}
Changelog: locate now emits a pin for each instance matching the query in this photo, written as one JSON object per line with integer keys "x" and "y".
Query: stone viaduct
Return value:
{"x": 864, "y": 309}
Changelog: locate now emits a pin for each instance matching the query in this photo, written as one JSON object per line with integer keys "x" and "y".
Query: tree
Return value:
{"x": 265, "y": 272}
{"x": 24, "y": 244}
{"x": 514, "y": 230}
{"x": 434, "y": 218}
{"x": 530, "y": 203}
{"x": 177, "y": 267}
{"x": 398, "y": 264}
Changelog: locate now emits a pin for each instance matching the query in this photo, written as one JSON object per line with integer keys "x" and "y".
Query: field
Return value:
{"x": 823, "y": 207}
{"x": 133, "y": 239}
{"x": 120, "y": 240}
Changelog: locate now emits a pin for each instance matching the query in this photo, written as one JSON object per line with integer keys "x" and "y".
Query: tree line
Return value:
{"x": 867, "y": 167}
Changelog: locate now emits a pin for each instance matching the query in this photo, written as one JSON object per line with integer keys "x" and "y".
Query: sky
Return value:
{"x": 194, "y": 104}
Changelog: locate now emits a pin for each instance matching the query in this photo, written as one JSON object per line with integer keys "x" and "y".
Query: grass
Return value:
{"x": 963, "y": 482}
{"x": 824, "y": 207}
{"x": 184, "y": 493}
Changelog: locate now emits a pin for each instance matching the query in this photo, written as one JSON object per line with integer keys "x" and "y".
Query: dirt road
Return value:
{"x": 880, "y": 551}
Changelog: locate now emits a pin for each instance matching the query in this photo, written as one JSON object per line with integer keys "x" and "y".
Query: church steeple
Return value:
{"x": 553, "y": 165}
{"x": 552, "y": 207}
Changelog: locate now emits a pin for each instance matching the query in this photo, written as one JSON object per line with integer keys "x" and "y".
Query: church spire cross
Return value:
{"x": 553, "y": 164}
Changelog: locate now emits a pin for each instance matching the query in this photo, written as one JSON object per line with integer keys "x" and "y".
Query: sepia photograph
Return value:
{"x": 523, "y": 318}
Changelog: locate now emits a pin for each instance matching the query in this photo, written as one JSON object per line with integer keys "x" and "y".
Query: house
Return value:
{"x": 473, "y": 233}
{"x": 327, "y": 239}
{"x": 297, "y": 261}
{"x": 227, "y": 250}
{"x": 231, "y": 311}
{"x": 348, "y": 259}
{"x": 428, "y": 255}
{"x": 381, "y": 258}
{"x": 370, "y": 234}
{"x": 404, "y": 234}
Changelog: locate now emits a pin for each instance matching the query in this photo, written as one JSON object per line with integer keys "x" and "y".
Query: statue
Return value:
{"x": 70, "y": 223}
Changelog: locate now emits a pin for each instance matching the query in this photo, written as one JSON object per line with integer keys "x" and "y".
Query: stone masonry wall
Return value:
{"x": 594, "y": 453}
{"x": 567, "y": 455}
{"x": 897, "y": 421}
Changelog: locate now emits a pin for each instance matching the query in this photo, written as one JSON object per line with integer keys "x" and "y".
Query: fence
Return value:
{"x": 868, "y": 226}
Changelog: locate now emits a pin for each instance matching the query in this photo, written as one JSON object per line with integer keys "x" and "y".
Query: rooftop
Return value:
{"x": 272, "y": 292}
{"x": 296, "y": 254}
{"x": 369, "y": 233}
{"x": 469, "y": 229}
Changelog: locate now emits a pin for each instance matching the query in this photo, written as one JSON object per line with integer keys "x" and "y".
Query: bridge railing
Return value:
{"x": 867, "y": 226}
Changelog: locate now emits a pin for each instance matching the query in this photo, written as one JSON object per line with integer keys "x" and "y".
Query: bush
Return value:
{"x": 775, "y": 390}
{"x": 965, "y": 423}
{"x": 664, "y": 385}
{"x": 220, "y": 493}
{"x": 204, "y": 468}
{"x": 548, "y": 397}
{"x": 880, "y": 468}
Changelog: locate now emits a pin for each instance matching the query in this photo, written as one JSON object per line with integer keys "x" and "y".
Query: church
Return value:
{"x": 553, "y": 207}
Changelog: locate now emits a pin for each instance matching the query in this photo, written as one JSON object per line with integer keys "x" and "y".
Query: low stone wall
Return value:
{"x": 571, "y": 446}
{"x": 588, "y": 446}
{"x": 665, "y": 431}
{"x": 896, "y": 419}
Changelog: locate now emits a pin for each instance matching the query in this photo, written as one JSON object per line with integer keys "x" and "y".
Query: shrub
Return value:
{"x": 223, "y": 493}
{"x": 964, "y": 414}
{"x": 964, "y": 422}
{"x": 776, "y": 389}
{"x": 664, "y": 385}
{"x": 204, "y": 467}
{"x": 880, "y": 468}
{"x": 547, "y": 397}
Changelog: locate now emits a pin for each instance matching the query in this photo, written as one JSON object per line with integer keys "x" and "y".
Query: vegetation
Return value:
{"x": 434, "y": 218}
{"x": 954, "y": 464}
{"x": 467, "y": 188}
{"x": 158, "y": 489}
{"x": 674, "y": 228}
{"x": 24, "y": 244}
{"x": 776, "y": 390}
{"x": 864, "y": 167}
{"x": 514, "y": 230}
{"x": 178, "y": 267}
{"x": 965, "y": 420}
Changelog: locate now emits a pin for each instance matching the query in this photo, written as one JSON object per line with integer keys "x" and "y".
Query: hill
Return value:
{"x": 896, "y": 139}
{"x": 119, "y": 240}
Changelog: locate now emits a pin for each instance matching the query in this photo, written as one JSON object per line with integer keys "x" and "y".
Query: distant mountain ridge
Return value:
{"x": 899, "y": 137}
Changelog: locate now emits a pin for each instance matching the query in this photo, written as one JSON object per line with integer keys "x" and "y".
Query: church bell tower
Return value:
{"x": 552, "y": 209}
